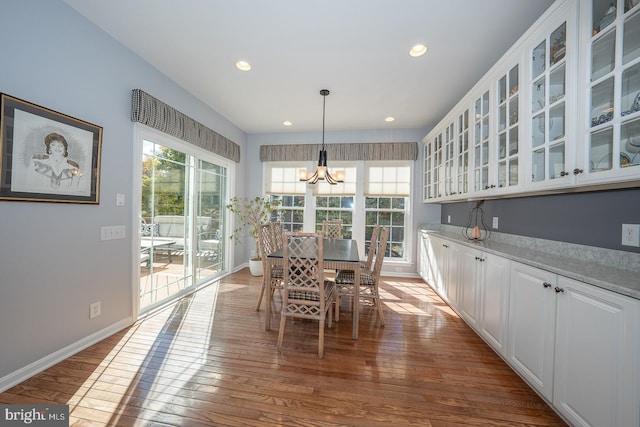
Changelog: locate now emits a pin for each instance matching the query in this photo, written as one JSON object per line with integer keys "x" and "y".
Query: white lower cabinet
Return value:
{"x": 531, "y": 337}
{"x": 424, "y": 266}
{"x": 484, "y": 295}
{"x": 444, "y": 260}
{"x": 576, "y": 344}
{"x": 494, "y": 301}
{"x": 597, "y": 380}
{"x": 470, "y": 275}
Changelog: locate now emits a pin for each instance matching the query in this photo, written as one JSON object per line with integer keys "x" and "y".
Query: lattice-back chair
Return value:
{"x": 277, "y": 234}
{"x": 373, "y": 245}
{"x": 305, "y": 293}
{"x": 267, "y": 245}
{"x": 369, "y": 279}
{"x": 332, "y": 228}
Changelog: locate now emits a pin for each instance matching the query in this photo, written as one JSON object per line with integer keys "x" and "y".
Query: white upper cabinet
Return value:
{"x": 610, "y": 125}
{"x": 560, "y": 109}
{"x": 508, "y": 129}
{"x": 551, "y": 78}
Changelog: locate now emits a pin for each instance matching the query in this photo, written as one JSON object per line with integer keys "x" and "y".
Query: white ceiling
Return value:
{"x": 358, "y": 49}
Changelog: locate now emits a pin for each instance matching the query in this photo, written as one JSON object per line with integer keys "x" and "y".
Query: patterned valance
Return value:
{"x": 347, "y": 152}
{"x": 154, "y": 113}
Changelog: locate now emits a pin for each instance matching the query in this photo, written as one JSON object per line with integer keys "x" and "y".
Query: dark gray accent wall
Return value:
{"x": 587, "y": 218}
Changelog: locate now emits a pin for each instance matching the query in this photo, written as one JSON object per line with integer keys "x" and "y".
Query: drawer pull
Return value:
{"x": 558, "y": 290}
{"x": 546, "y": 285}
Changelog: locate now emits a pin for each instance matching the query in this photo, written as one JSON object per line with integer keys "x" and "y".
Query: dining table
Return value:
{"x": 339, "y": 254}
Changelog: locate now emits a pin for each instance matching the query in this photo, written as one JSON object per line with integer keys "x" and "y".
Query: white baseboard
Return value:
{"x": 38, "y": 366}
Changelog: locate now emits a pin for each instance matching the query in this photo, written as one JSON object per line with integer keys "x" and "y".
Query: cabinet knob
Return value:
{"x": 564, "y": 173}
{"x": 576, "y": 171}
{"x": 558, "y": 290}
{"x": 446, "y": 246}
{"x": 546, "y": 285}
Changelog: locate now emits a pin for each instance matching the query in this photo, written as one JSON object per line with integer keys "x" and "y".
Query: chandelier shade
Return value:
{"x": 321, "y": 172}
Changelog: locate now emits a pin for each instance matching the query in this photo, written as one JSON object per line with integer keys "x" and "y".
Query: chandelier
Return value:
{"x": 322, "y": 172}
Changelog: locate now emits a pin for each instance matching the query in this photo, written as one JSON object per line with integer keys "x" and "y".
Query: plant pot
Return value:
{"x": 255, "y": 267}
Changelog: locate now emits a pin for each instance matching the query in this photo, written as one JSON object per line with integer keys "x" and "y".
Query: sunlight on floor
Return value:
{"x": 125, "y": 369}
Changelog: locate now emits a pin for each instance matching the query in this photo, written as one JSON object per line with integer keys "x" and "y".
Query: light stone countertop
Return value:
{"x": 617, "y": 271}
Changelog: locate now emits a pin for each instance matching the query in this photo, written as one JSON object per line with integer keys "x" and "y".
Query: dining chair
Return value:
{"x": 305, "y": 293}
{"x": 332, "y": 228}
{"x": 369, "y": 279}
{"x": 373, "y": 245}
{"x": 267, "y": 245}
{"x": 277, "y": 230}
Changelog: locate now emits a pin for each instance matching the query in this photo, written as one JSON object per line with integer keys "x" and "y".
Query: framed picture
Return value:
{"x": 46, "y": 156}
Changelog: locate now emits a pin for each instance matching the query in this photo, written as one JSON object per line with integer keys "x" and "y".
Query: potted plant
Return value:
{"x": 251, "y": 212}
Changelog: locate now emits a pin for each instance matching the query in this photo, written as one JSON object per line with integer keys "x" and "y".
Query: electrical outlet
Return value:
{"x": 495, "y": 222}
{"x": 448, "y": 219}
{"x": 94, "y": 310}
{"x": 631, "y": 235}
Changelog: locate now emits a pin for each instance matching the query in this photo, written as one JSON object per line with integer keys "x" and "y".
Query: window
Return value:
{"x": 335, "y": 207}
{"x": 374, "y": 192}
{"x": 290, "y": 212}
{"x": 388, "y": 187}
{"x": 388, "y": 212}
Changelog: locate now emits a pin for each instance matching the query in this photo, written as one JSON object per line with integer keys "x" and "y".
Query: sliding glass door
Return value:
{"x": 182, "y": 220}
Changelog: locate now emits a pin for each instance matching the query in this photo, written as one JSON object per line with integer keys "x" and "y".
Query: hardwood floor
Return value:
{"x": 207, "y": 361}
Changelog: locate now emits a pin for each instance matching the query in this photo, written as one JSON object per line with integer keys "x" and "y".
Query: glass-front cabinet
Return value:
{"x": 612, "y": 123}
{"x": 433, "y": 168}
{"x": 448, "y": 159}
{"x": 508, "y": 129}
{"x": 481, "y": 143}
{"x": 550, "y": 150}
{"x": 560, "y": 110}
{"x": 462, "y": 153}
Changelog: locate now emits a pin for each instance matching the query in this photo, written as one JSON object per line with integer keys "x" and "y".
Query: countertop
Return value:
{"x": 579, "y": 265}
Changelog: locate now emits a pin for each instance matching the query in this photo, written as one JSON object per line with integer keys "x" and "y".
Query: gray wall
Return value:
{"x": 588, "y": 218}
{"x": 52, "y": 261}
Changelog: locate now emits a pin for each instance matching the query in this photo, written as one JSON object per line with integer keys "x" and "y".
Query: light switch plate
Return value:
{"x": 495, "y": 222}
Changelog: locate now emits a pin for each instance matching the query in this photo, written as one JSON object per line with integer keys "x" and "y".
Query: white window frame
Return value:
{"x": 358, "y": 215}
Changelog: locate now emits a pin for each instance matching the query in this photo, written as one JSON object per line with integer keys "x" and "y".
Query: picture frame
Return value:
{"x": 47, "y": 156}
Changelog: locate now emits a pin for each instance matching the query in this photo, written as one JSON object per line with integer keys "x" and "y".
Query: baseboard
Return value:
{"x": 38, "y": 366}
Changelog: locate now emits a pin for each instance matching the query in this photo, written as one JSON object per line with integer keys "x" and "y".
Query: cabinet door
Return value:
{"x": 468, "y": 284}
{"x": 437, "y": 262}
{"x": 432, "y": 179}
{"x": 453, "y": 280}
{"x": 611, "y": 151}
{"x": 481, "y": 145}
{"x": 494, "y": 301}
{"x": 424, "y": 269}
{"x": 508, "y": 130}
{"x": 462, "y": 153}
{"x": 596, "y": 380}
{"x": 531, "y": 336}
{"x": 551, "y": 147}
{"x": 448, "y": 161}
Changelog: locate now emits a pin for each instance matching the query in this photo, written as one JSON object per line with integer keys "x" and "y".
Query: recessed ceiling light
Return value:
{"x": 243, "y": 66}
{"x": 418, "y": 50}
{"x": 389, "y": 119}
{"x": 287, "y": 123}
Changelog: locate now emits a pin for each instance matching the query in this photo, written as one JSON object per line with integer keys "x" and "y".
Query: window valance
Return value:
{"x": 339, "y": 152}
{"x": 154, "y": 113}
